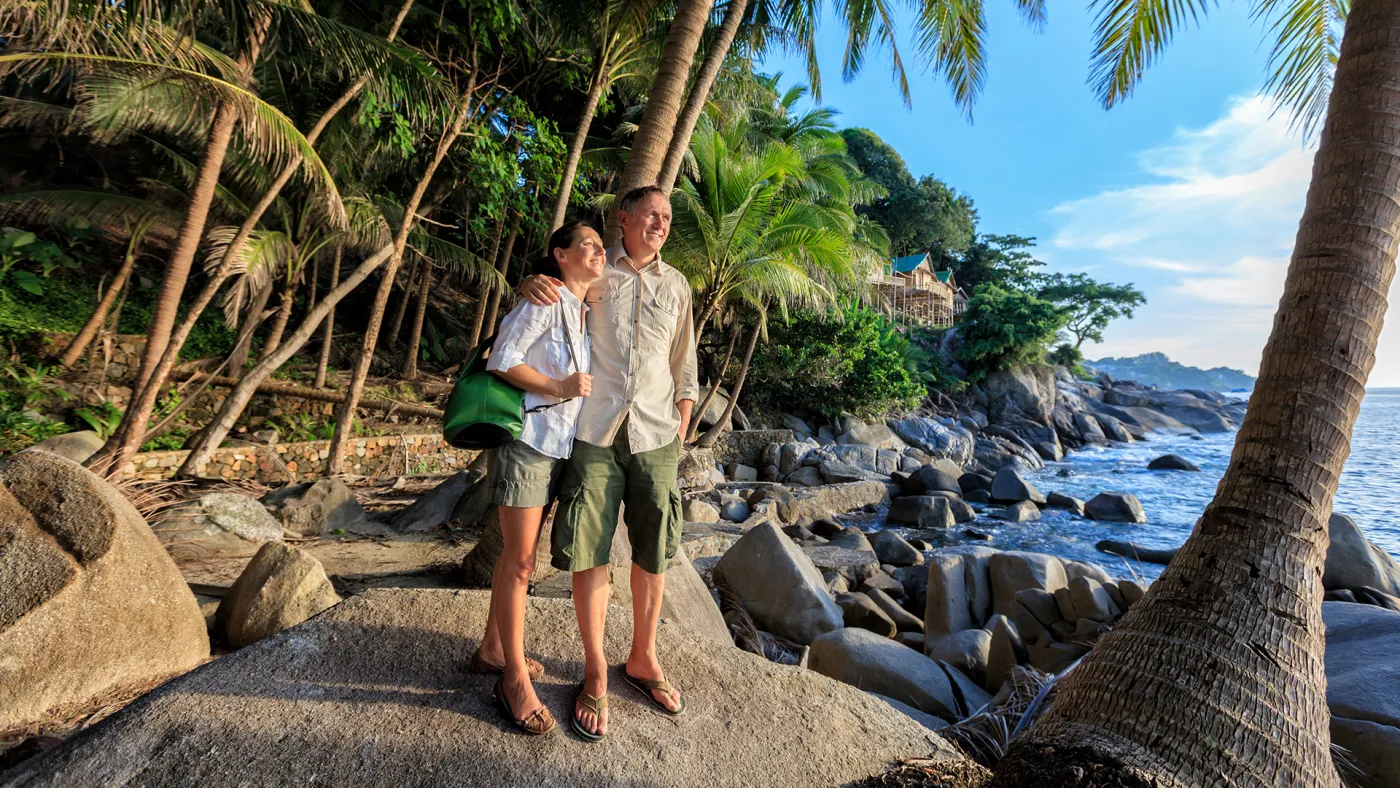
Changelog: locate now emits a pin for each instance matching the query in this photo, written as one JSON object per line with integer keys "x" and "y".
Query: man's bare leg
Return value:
{"x": 591, "y": 592}
{"x": 647, "y": 590}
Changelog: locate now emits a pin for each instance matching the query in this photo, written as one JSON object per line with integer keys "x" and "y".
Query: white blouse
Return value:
{"x": 553, "y": 341}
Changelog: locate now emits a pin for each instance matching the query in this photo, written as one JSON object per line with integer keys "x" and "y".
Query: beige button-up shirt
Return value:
{"x": 643, "y": 354}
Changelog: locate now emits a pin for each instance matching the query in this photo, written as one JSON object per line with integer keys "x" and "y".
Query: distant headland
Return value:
{"x": 1155, "y": 369}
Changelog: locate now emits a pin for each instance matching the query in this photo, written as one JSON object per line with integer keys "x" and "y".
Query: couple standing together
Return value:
{"x": 603, "y": 345}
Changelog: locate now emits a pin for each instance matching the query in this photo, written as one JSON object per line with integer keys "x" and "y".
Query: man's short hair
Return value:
{"x": 631, "y": 198}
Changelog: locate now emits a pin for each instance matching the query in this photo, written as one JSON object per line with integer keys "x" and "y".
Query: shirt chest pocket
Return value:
{"x": 660, "y": 312}
{"x": 558, "y": 351}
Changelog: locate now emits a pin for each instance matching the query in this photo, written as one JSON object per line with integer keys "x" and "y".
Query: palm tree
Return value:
{"x": 617, "y": 35}
{"x": 1216, "y": 677}
{"x": 663, "y": 106}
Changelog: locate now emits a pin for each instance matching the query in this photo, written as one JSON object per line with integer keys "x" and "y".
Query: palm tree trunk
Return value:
{"x": 711, "y": 436}
{"x": 238, "y": 357}
{"x": 493, "y": 307}
{"x": 1216, "y": 677}
{"x": 653, "y": 136}
{"x": 126, "y": 440}
{"x": 94, "y": 322}
{"x": 279, "y": 320}
{"x": 585, "y": 121}
{"x": 415, "y": 337}
{"x": 409, "y": 289}
{"x": 346, "y": 414}
{"x": 238, "y": 397}
{"x": 699, "y": 413}
{"x": 482, "y": 296}
{"x": 700, "y": 93}
{"x": 323, "y": 364}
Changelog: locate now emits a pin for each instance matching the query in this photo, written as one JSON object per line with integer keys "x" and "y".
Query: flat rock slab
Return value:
{"x": 373, "y": 693}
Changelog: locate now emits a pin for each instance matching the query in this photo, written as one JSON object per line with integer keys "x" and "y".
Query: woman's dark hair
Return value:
{"x": 562, "y": 238}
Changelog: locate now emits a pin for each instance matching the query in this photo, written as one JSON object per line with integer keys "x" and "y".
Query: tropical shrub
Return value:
{"x": 829, "y": 364}
{"x": 1003, "y": 328}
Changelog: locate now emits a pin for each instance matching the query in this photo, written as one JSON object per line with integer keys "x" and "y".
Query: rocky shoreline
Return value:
{"x": 298, "y": 588}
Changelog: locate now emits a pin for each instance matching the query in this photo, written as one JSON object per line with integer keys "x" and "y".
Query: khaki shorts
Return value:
{"x": 524, "y": 478}
{"x": 600, "y": 480}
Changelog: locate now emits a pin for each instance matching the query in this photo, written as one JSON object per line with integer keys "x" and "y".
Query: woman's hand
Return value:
{"x": 540, "y": 290}
{"x": 579, "y": 384}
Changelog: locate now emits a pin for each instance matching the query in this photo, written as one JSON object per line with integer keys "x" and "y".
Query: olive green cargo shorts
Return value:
{"x": 599, "y": 480}
{"x": 523, "y": 477}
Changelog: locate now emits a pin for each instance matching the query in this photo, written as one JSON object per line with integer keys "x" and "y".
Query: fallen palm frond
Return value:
{"x": 986, "y": 735}
{"x": 928, "y": 773}
{"x": 152, "y": 498}
{"x": 746, "y": 633}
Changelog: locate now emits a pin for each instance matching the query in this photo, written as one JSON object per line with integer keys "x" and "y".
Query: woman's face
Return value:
{"x": 584, "y": 259}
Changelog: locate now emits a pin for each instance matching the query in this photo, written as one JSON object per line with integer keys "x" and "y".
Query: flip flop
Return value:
{"x": 538, "y": 723}
{"x": 595, "y": 705}
{"x": 479, "y": 665}
{"x": 648, "y": 686}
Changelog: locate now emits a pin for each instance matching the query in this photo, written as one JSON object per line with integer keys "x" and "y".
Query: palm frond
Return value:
{"x": 1129, "y": 35}
{"x": 259, "y": 259}
{"x": 951, "y": 34}
{"x": 115, "y": 214}
{"x": 1307, "y": 42}
{"x": 871, "y": 22}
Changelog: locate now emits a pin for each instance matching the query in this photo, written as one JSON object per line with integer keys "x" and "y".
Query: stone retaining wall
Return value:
{"x": 291, "y": 462}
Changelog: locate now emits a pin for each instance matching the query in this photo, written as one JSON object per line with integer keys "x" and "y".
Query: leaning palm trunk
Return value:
{"x": 127, "y": 439}
{"x": 252, "y": 315}
{"x": 585, "y": 122}
{"x": 80, "y": 343}
{"x": 323, "y": 364}
{"x": 493, "y": 306}
{"x": 1216, "y": 677}
{"x": 400, "y": 311}
{"x": 479, "y": 316}
{"x": 415, "y": 337}
{"x": 237, "y": 399}
{"x": 346, "y": 414}
{"x": 711, "y": 436}
{"x": 653, "y": 136}
{"x": 279, "y": 320}
{"x": 700, "y": 94}
{"x": 699, "y": 412}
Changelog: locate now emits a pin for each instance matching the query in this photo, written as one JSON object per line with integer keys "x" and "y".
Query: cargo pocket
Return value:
{"x": 561, "y": 535}
{"x": 675, "y": 526}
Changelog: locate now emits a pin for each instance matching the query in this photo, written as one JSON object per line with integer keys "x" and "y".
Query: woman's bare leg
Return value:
{"x": 520, "y": 529}
{"x": 591, "y": 592}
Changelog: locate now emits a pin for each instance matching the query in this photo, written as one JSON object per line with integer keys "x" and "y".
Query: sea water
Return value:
{"x": 1173, "y": 500}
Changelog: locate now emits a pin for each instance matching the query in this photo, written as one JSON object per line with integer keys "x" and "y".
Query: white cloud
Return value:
{"x": 1206, "y": 233}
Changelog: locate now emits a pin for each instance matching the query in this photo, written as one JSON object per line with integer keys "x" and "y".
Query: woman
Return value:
{"x": 543, "y": 350}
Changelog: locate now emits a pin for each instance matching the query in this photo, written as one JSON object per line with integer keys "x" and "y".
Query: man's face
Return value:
{"x": 646, "y": 227}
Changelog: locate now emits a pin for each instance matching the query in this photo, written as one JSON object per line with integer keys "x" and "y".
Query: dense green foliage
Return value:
{"x": 833, "y": 363}
{"x": 1001, "y": 260}
{"x": 924, "y": 215}
{"x": 1003, "y": 328}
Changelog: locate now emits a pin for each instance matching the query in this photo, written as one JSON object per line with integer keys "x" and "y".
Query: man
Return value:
{"x": 627, "y": 447}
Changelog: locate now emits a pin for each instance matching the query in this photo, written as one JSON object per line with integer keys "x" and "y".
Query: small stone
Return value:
{"x": 1056, "y": 500}
{"x": 696, "y": 510}
{"x": 1115, "y": 507}
{"x": 1172, "y": 462}
{"x": 859, "y": 610}
{"x": 904, "y": 621}
{"x": 1009, "y": 487}
{"x": 1023, "y": 512}
{"x": 884, "y": 583}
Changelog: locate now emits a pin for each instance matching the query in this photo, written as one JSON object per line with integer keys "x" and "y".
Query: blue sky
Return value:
{"x": 1191, "y": 189}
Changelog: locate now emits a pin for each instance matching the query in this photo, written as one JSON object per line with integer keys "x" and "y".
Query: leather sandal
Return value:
{"x": 537, "y": 723}
{"x": 595, "y": 705}
{"x": 649, "y": 686}
{"x": 479, "y": 665}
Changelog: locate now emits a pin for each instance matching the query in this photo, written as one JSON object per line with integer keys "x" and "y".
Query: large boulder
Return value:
{"x": 935, "y": 437}
{"x": 372, "y": 694}
{"x": 931, "y": 478}
{"x": 1115, "y": 507}
{"x": 860, "y": 611}
{"x": 924, "y": 511}
{"x": 892, "y": 549}
{"x": 1009, "y": 487}
{"x": 90, "y": 603}
{"x": 1014, "y": 570}
{"x": 877, "y": 664}
{"x": 437, "y": 505}
{"x": 76, "y": 446}
{"x": 1172, "y": 462}
{"x": 1021, "y": 392}
{"x": 779, "y": 586}
{"x": 1363, "y": 688}
{"x": 280, "y": 588}
{"x": 959, "y": 594}
{"x": 225, "y": 515}
{"x": 320, "y": 507}
{"x": 859, "y": 433}
{"x": 1353, "y": 561}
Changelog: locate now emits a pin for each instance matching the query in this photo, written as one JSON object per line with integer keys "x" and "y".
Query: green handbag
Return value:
{"x": 484, "y": 410}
